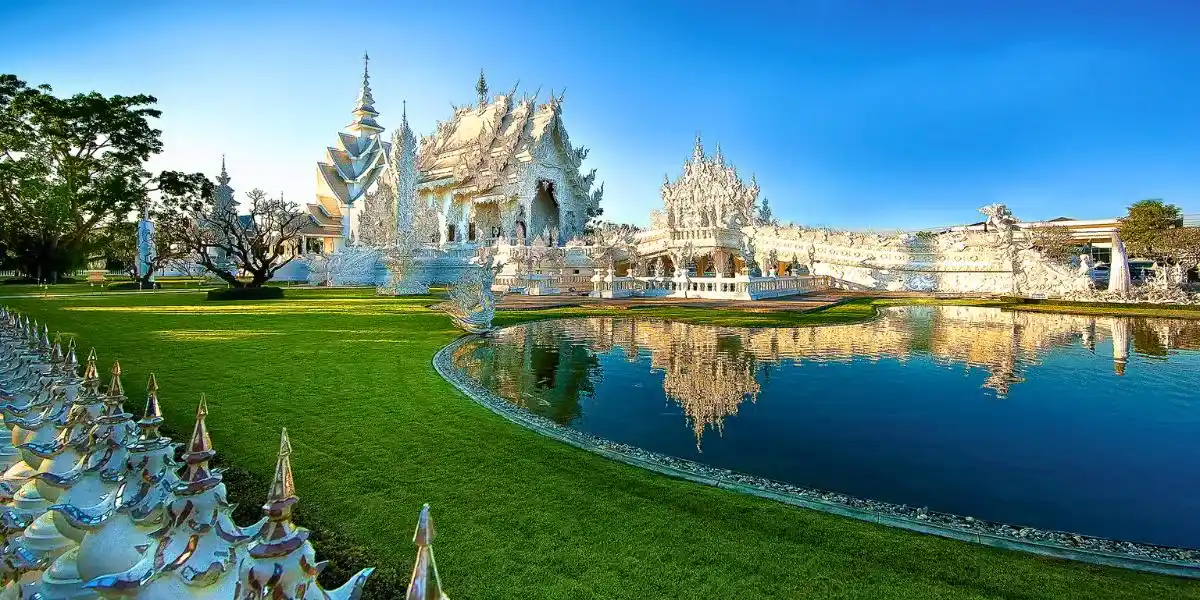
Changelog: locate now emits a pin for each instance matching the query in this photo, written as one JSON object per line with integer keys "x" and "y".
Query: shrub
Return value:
{"x": 258, "y": 293}
{"x": 131, "y": 285}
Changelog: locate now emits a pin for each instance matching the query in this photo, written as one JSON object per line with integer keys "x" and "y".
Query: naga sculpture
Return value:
{"x": 472, "y": 305}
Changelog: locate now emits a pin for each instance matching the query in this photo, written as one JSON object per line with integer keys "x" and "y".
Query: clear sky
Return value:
{"x": 852, "y": 113}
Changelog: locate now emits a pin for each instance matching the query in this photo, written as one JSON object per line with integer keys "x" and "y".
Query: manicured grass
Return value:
{"x": 848, "y": 312}
{"x": 376, "y": 433}
{"x": 1122, "y": 311}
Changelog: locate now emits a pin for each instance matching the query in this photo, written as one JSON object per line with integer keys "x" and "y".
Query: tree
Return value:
{"x": 1181, "y": 245}
{"x": 1143, "y": 228}
{"x": 764, "y": 216}
{"x": 68, "y": 168}
{"x": 258, "y": 243}
{"x": 1055, "y": 242}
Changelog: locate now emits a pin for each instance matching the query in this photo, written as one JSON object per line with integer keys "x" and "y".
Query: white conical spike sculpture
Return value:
{"x": 280, "y": 562}
{"x": 119, "y": 528}
{"x": 425, "y": 583}
{"x": 197, "y": 551}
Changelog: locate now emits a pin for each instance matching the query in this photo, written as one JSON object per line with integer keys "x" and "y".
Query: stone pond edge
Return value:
{"x": 1099, "y": 551}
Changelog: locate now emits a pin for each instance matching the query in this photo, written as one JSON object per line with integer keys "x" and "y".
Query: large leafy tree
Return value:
{"x": 69, "y": 168}
{"x": 1144, "y": 228}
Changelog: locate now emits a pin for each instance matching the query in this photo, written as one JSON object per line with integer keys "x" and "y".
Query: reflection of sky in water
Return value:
{"x": 1085, "y": 424}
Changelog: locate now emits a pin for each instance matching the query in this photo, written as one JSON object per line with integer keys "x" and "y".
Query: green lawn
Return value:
{"x": 376, "y": 433}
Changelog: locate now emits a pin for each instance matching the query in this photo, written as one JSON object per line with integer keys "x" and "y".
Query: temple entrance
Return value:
{"x": 470, "y": 232}
{"x": 544, "y": 210}
{"x": 486, "y": 221}
{"x": 450, "y": 232}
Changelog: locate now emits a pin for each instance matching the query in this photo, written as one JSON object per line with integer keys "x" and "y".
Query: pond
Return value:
{"x": 1063, "y": 422}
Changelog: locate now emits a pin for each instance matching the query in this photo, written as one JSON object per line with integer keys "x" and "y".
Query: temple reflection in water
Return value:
{"x": 551, "y": 367}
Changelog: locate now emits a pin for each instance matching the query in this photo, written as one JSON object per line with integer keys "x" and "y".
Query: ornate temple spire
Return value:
{"x": 425, "y": 583}
{"x": 364, "y": 110}
{"x": 404, "y": 174}
{"x": 222, "y": 193}
{"x": 719, "y": 156}
{"x": 698, "y": 150}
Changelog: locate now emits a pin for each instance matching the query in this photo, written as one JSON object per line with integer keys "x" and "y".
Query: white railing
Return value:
{"x": 522, "y": 281}
{"x": 722, "y": 288}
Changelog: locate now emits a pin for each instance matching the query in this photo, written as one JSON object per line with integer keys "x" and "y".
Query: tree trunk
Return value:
{"x": 258, "y": 279}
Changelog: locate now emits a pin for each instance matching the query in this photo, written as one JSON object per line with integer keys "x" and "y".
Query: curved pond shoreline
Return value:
{"x": 1141, "y": 557}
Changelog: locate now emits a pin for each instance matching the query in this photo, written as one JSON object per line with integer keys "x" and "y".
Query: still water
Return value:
{"x": 1082, "y": 424}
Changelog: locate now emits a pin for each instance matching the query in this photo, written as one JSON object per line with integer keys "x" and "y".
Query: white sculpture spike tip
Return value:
{"x": 71, "y": 362}
{"x": 153, "y": 410}
{"x": 283, "y": 487}
{"x": 56, "y": 351}
{"x": 425, "y": 583}
{"x": 200, "y": 442}
{"x": 116, "y": 391}
{"x": 197, "y": 477}
{"x": 90, "y": 373}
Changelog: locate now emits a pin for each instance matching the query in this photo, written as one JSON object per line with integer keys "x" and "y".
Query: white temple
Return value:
{"x": 502, "y": 174}
{"x": 503, "y": 167}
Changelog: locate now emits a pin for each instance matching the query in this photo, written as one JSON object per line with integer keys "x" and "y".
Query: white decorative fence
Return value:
{"x": 721, "y": 288}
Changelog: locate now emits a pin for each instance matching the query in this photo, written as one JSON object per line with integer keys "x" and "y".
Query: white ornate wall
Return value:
{"x": 957, "y": 262}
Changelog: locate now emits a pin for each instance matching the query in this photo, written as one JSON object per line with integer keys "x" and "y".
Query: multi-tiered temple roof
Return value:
{"x": 351, "y": 167}
{"x": 485, "y": 147}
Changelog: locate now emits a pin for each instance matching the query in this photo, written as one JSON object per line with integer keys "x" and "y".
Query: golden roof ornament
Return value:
{"x": 425, "y": 583}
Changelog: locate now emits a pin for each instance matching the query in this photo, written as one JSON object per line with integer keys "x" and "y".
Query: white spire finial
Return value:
{"x": 364, "y": 109}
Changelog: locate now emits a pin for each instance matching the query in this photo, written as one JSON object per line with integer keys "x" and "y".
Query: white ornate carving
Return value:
{"x": 472, "y": 305}
{"x": 709, "y": 194}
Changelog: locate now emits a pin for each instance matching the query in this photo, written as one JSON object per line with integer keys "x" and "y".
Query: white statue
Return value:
{"x": 1119, "y": 281}
{"x": 472, "y": 305}
{"x": 1086, "y": 264}
{"x": 999, "y": 218}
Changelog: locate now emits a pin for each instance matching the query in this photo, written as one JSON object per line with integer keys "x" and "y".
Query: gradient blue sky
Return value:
{"x": 853, "y": 113}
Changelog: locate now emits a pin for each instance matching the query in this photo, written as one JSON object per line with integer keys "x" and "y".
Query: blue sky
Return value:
{"x": 852, "y": 113}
